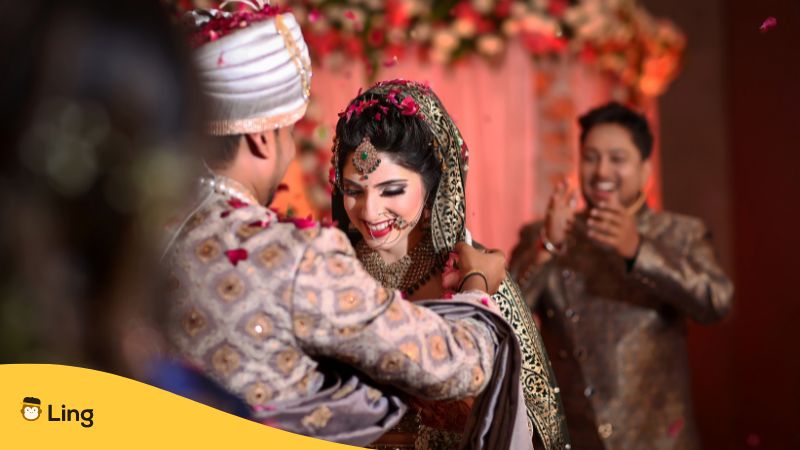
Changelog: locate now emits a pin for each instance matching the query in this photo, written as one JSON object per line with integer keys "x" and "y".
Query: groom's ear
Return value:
{"x": 257, "y": 144}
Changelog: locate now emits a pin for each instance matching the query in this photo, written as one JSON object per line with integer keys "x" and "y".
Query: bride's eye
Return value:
{"x": 351, "y": 192}
{"x": 393, "y": 192}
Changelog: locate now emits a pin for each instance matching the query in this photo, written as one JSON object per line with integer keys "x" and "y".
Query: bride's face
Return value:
{"x": 379, "y": 205}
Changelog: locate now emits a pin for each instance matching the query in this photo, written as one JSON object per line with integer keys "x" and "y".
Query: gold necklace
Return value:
{"x": 407, "y": 274}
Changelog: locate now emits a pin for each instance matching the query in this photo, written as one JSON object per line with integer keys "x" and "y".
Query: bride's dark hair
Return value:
{"x": 407, "y": 139}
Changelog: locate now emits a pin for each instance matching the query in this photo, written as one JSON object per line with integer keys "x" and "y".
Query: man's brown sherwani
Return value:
{"x": 616, "y": 330}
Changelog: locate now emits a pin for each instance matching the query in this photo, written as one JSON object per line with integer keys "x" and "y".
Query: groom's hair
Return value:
{"x": 407, "y": 139}
{"x": 221, "y": 150}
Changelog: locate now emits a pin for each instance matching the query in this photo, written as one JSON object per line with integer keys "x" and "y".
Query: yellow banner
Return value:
{"x": 62, "y": 407}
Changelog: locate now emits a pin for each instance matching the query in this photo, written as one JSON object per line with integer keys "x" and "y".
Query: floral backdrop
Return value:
{"x": 615, "y": 36}
{"x": 560, "y": 58}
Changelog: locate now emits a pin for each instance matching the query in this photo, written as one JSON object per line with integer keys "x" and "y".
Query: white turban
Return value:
{"x": 257, "y": 78}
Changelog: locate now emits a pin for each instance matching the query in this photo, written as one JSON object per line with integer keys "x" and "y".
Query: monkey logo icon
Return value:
{"x": 31, "y": 408}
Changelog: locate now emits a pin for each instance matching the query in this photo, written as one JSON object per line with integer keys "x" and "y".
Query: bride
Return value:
{"x": 399, "y": 169}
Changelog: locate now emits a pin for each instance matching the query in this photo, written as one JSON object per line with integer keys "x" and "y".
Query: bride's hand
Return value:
{"x": 490, "y": 263}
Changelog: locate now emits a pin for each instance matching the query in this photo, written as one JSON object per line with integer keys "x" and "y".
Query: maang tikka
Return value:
{"x": 365, "y": 158}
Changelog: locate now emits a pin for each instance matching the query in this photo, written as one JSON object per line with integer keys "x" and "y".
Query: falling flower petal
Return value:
{"x": 675, "y": 428}
{"x": 283, "y": 187}
{"x": 224, "y": 214}
{"x": 300, "y": 223}
{"x": 768, "y": 23}
{"x": 350, "y": 15}
{"x": 485, "y": 301}
{"x": 391, "y": 62}
{"x": 236, "y": 255}
{"x": 220, "y": 60}
{"x": 314, "y": 15}
{"x": 303, "y": 224}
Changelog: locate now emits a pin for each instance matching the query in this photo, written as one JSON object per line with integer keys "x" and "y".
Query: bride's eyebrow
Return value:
{"x": 391, "y": 182}
{"x": 384, "y": 184}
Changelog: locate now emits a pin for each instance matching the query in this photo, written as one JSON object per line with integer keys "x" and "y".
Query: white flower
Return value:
{"x": 518, "y": 9}
{"x": 535, "y": 23}
{"x": 510, "y": 27}
{"x": 396, "y": 35}
{"x": 444, "y": 40}
{"x": 439, "y": 56}
{"x": 375, "y": 5}
{"x": 422, "y": 32}
{"x": 490, "y": 45}
{"x": 415, "y": 7}
{"x": 464, "y": 27}
{"x": 483, "y": 6}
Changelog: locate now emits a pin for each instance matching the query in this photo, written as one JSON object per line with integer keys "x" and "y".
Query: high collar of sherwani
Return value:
{"x": 638, "y": 206}
{"x": 229, "y": 187}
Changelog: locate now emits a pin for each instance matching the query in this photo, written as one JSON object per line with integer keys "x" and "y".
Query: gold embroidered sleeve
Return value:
{"x": 685, "y": 276}
{"x": 339, "y": 311}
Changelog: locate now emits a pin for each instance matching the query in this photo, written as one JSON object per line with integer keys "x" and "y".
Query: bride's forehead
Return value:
{"x": 387, "y": 170}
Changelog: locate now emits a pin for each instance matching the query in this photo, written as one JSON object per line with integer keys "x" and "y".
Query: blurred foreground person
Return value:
{"x": 96, "y": 110}
{"x": 613, "y": 286}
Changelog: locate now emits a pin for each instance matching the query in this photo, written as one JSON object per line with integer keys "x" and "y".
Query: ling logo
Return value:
{"x": 32, "y": 410}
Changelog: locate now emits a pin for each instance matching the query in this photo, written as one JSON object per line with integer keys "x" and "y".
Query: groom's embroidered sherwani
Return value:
{"x": 258, "y": 303}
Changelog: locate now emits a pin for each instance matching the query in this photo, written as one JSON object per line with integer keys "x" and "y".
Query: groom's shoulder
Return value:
{"x": 320, "y": 236}
{"x": 332, "y": 240}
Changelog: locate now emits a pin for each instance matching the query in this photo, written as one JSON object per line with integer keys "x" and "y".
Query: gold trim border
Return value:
{"x": 257, "y": 124}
